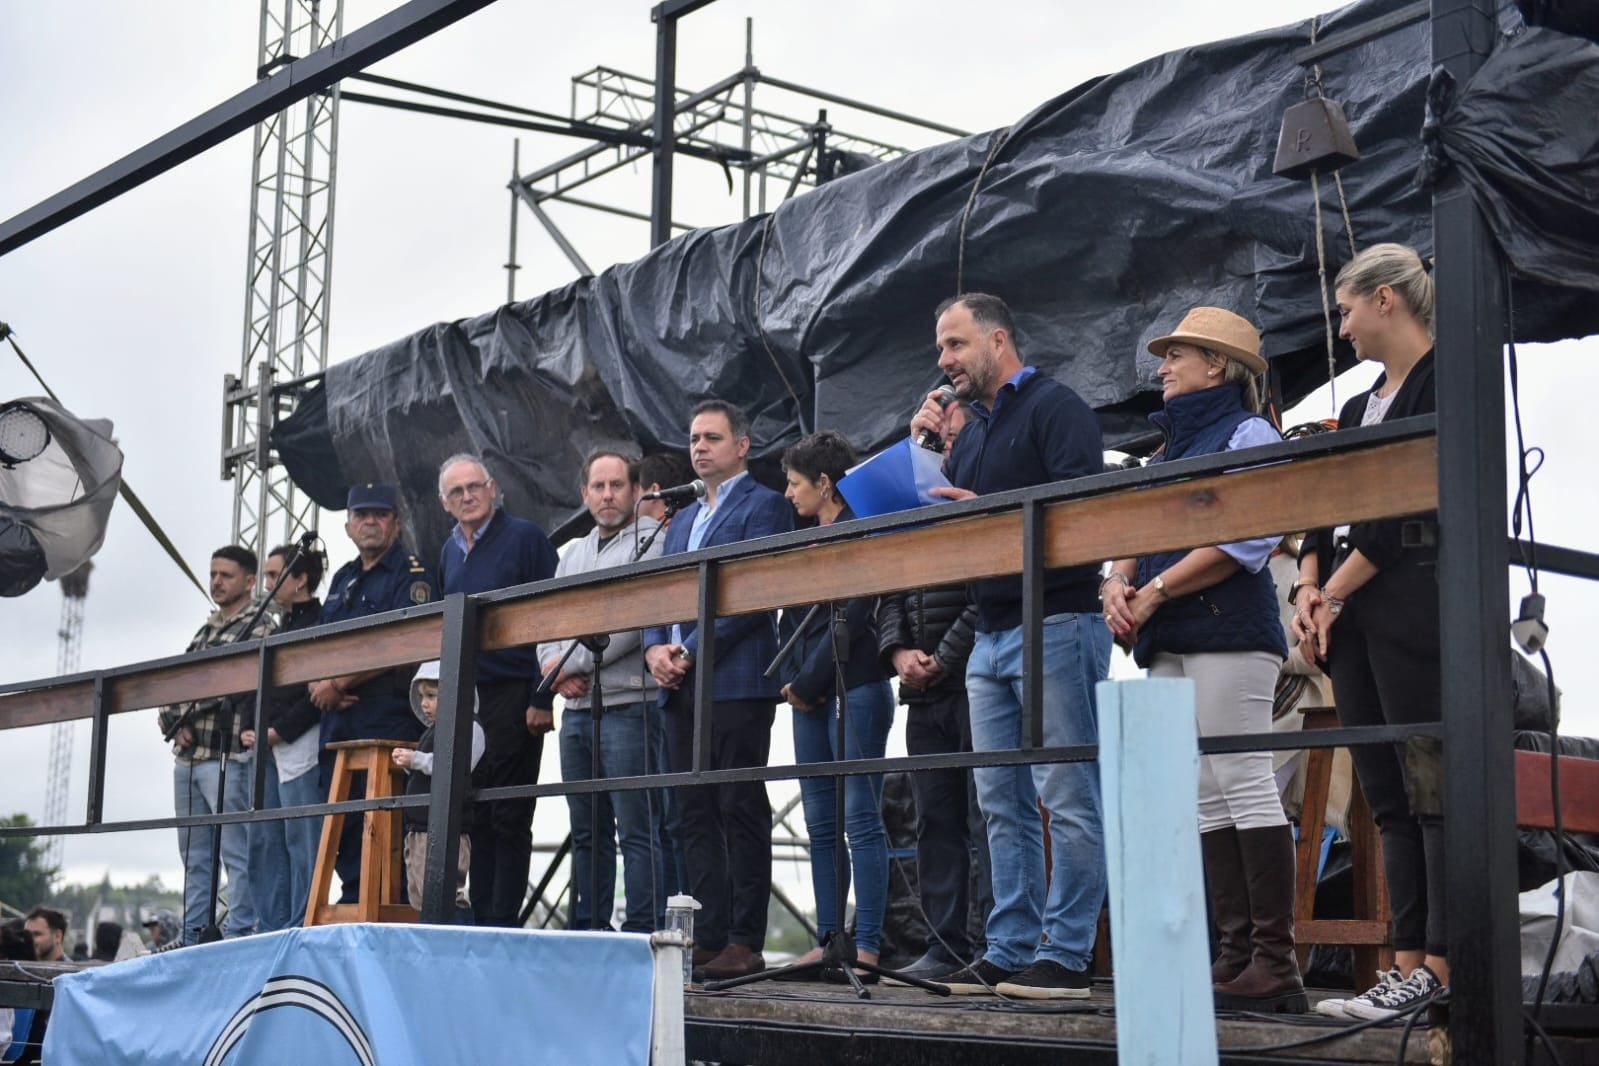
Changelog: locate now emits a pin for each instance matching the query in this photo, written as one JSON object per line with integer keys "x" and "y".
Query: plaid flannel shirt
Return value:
{"x": 211, "y": 739}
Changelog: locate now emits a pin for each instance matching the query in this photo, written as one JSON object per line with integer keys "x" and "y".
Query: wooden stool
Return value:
{"x": 382, "y": 897}
{"x": 1367, "y": 931}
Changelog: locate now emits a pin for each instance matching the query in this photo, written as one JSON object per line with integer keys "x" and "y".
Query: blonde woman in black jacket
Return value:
{"x": 1367, "y": 602}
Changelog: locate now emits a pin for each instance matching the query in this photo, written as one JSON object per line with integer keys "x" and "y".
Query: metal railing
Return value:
{"x": 1363, "y": 474}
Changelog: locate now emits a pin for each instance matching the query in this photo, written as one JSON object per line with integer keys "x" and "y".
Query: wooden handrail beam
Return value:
{"x": 1389, "y": 480}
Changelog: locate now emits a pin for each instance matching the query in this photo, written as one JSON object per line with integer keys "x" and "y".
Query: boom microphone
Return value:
{"x": 927, "y": 438}
{"x": 678, "y": 495}
{"x": 308, "y": 539}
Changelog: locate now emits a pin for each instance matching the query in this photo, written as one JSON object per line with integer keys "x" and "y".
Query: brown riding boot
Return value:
{"x": 1229, "y": 902}
{"x": 1271, "y": 983}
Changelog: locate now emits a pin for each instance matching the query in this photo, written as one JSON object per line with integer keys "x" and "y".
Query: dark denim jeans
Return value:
{"x": 629, "y": 814}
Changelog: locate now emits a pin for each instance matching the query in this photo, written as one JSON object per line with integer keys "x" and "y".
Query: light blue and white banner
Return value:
{"x": 365, "y": 995}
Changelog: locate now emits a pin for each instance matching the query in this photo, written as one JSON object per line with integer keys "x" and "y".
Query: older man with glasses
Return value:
{"x": 487, "y": 550}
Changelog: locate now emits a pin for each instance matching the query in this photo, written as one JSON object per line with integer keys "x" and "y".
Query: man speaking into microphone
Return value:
{"x": 726, "y": 831}
{"x": 1027, "y": 429}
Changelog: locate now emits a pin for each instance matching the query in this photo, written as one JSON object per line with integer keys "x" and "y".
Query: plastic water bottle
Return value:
{"x": 680, "y": 919}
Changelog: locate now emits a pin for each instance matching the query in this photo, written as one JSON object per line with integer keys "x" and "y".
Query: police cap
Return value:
{"x": 370, "y": 497}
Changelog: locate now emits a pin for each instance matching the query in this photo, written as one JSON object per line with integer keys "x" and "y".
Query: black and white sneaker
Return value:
{"x": 1420, "y": 987}
{"x": 1334, "y": 1008}
{"x": 981, "y": 978}
{"x": 1048, "y": 979}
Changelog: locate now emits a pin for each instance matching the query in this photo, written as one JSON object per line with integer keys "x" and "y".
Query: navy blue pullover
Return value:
{"x": 509, "y": 551}
{"x": 1039, "y": 431}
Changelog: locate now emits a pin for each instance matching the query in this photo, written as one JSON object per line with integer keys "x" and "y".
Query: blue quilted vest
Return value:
{"x": 1240, "y": 612}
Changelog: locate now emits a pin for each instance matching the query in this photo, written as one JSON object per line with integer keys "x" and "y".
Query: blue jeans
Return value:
{"x": 868, "y": 716}
{"x": 301, "y": 836}
{"x": 1076, "y": 657}
{"x": 194, "y": 792}
{"x": 628, "y": 815}
{"x": 269, "y": 856}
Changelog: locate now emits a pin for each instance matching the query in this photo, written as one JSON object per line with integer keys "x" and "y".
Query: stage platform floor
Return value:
{"x": 777, "y": 1024}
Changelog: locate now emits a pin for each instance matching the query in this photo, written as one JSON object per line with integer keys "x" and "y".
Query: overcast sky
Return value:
{"x": 135, "y": 311}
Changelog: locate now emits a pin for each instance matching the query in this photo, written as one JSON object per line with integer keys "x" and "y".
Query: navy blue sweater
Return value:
{"x": 1238, "y": 613}
{"x": 509, "y": 551}
{"x": 1039, "y": 431}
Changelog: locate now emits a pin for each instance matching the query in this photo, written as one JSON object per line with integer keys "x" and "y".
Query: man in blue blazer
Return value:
{"x": 726, "y": 831}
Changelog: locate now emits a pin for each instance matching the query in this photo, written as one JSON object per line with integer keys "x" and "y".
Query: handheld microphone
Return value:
{"x": 927, "y": 438}
{"x": 678, "y": 494}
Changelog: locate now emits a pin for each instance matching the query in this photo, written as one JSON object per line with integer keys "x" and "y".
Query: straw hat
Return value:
{"x": 1220, "y": 331}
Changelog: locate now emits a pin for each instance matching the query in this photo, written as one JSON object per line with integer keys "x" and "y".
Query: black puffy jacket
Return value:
{"x": 938, "y": 621}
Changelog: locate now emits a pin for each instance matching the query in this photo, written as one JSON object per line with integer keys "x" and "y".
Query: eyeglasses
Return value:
{"x": 461, "y": 492}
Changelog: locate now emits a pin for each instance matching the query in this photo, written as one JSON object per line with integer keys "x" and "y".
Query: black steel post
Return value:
{"x": 263, "y": 694}
{"x": 1474, "y": 595}
{"x": 1032, "y": 624}
{"x": 452, "y": 757}
{"x": 665, "y": 16}
{"x": 665, "y": 116}
{"x": 97, "y": 745}
{"x": 705, "y": 667}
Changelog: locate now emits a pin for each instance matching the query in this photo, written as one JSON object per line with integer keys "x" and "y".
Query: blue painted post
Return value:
{"x": 1149, "y": 773}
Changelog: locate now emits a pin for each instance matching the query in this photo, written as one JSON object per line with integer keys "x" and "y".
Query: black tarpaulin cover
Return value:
{"x": 1101, "y": 217}
{"x": 1525, "y": 134}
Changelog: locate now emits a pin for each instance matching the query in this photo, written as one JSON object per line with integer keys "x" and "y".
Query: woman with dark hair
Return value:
{"x": 814, "y": 468}
{"x": 1367, "y": 601}
{"x": 1210, "y": 615}
{"x": 282, "y": 853}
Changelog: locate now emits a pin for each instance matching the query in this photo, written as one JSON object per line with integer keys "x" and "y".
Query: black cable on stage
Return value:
{"x": 1526, "y": 466}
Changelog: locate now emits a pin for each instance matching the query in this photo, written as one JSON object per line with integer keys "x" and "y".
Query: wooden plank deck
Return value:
{"x": 776, "y": 1024}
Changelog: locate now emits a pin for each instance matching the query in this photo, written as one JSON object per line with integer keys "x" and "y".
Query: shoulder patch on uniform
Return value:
{"x": 421, "y": 592}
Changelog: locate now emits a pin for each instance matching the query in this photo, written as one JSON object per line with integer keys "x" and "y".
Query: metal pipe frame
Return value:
{"x": 292, "y": 82}
{"x": 568, "y": 249}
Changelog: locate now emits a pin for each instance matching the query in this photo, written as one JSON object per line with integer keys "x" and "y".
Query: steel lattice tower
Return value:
{"x": 74, "y": 589}
{"x": 287, "y": 279}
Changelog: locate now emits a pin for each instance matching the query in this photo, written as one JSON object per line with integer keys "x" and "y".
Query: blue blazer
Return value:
{"x": 745, "y": 645}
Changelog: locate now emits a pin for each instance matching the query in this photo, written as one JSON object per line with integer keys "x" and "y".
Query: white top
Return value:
{"x": 1376, "y": 411}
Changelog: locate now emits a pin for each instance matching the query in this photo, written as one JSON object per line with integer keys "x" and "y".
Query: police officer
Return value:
{"x": 372, "y": 704}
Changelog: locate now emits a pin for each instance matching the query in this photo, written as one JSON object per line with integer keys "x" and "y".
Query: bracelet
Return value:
{"x": 1114, "y": 575}
{"x": 1334, "y": 604}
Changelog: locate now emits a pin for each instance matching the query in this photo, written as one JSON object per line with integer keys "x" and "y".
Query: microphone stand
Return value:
{"x": 838, "y": 947}
{"x": 225, "y": 718}
{"x": 671, "y": 512}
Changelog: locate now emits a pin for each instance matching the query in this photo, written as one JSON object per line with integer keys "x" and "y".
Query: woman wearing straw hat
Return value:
{"x": 1210, "y": 615}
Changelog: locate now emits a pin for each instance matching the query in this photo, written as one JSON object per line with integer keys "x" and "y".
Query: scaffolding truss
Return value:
{"x": 287, "y": 279}
{"x": 776, "y": 153}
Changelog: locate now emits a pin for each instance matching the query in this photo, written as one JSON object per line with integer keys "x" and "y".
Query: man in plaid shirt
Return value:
{"x": 202, "y": 734}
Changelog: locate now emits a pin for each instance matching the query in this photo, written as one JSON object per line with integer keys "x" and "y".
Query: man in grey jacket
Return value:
{"x": 627, "y": 693}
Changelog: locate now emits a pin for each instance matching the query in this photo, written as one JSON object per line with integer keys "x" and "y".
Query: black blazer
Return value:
{"x": 1400, "y": 605}
{"x": 1379, "y": 541}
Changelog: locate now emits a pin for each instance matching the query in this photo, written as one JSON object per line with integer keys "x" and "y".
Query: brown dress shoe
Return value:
{"x": 705, "y": 955}
{"x": 736, "y": 960}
